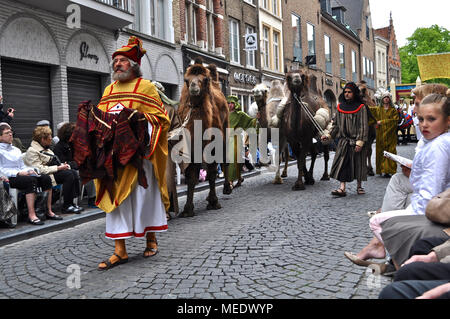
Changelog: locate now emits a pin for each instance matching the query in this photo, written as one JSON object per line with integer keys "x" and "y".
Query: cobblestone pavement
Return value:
{"x": 266, "y": 242}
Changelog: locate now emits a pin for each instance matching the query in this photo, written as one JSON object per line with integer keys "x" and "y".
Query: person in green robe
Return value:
{"x": 238, "y": 119}
{"x": 387, "y": 122}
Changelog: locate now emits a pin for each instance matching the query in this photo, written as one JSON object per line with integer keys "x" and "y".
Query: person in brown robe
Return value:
{"x": 351, "y": 127}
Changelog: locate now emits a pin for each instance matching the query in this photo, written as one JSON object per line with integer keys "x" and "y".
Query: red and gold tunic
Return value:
{"x": 141, "y": 95}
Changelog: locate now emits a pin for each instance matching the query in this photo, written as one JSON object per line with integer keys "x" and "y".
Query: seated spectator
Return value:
{"x": 45, "y": 123}
{"x": 399, "y": 190}
{"x": 430, "y": 174}
{"x": 8, "y": 116}
{"x": 41, "y": 157}
{"x": 426, "y": 275}
{"x": 23, "y": 177}
{"x": 64, "y": 150}
{"x": 56, "y": 137}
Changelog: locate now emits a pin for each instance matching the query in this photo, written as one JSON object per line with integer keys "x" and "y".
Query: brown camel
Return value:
{"x": 316, "y": 94}
{"x": 369, "y": 102}
{"x": 297, "y": 126}
{"x": 201, "y": 100}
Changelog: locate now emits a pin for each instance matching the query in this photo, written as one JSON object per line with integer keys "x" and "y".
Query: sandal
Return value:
{"x": 339, "y": 192}
{"x": 239, "y": 183}
{"x": 54, "y": 217}
{"x": 360, "y": 191}
{"x": 110, "y": 265}
{"x": 152, "y": 250}
{"x": 356, "y": 260}
{"x": 36, "y": 222}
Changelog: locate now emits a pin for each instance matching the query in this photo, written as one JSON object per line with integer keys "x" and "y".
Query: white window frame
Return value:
{"x": 266, "y": 47}
{"x": 354, "y": 70}
{"x": 298, "y": 34}
{"x": 276, "y": 50}
{"x": 342, "y": 59}
{"x": 311, "y": 27}
{"x": 250, "y": 56}
{"x": 210, "y": 31}
{"x": 275, "y": 8}
{"x": 234, "y": 42}
{"x": 328, "y": 60}
{"x": 265, "y": 4}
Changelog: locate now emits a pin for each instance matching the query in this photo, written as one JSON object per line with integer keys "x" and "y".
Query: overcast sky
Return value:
{"x": 409, "y": 15}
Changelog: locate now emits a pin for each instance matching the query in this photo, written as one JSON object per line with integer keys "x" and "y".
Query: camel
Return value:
{"x": 297, "y": 126}
{"x": 369, "y": 102}
{"x": 316, "y": 94}
{"x": 202, "y": 100}
{"x": 267, "y": 102}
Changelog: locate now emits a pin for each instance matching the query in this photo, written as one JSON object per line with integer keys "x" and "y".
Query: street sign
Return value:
{"x": 251, "y": 43}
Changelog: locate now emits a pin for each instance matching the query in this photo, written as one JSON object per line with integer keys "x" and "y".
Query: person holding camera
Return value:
{"x": 40, "y": 156}
{"x": 8, "y": 116}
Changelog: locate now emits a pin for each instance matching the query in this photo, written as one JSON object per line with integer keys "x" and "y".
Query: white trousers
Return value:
{"x": 141, "y": 212}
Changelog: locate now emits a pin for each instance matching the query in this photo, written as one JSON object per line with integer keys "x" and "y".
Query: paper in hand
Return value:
{"x": 399, "y": 159}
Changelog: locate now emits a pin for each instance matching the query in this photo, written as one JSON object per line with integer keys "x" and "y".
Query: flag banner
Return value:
{"x": 433, "y": 66}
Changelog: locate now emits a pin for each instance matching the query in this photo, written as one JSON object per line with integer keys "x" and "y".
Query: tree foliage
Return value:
{"x": 434, "y": 39}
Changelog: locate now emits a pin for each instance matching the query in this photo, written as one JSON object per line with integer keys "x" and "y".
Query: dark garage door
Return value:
{"x": 82, "y": 87}
{"x": 26, "y": 87}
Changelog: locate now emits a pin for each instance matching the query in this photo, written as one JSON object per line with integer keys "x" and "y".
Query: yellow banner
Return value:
{"x": 434, "y": 66}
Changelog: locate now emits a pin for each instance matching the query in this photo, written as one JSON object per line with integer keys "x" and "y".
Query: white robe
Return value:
{"x": 141, "y": 212}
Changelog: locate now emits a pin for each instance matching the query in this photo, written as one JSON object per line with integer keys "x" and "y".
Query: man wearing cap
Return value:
{"x": 351, "y": 127}
{"x": 136, "y": 211}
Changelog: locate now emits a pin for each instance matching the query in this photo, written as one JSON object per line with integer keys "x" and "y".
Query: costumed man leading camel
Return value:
{"x": 238, "y": 119}
{"x": 136, "y": 211}
{"x": 351, "y": 127}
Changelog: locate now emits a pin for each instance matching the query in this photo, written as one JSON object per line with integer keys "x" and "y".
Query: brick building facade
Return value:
{"x": 241, "y": 19}
{"x": 202, "y": 34}
{"x": 394, "y": 68}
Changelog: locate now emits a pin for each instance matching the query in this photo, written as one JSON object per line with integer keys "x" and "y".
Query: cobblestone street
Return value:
{"x": 267, "y": 241}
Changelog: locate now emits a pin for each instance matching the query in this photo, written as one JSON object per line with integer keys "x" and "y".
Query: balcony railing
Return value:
{"x": 119, "y": 4}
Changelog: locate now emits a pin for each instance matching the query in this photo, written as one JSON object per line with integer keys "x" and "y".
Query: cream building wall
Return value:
{"x": 274, "y": 23}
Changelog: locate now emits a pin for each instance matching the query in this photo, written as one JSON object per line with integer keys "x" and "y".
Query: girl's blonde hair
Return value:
{"x": 422, "y": 91}
{"x": 441, "y": 100}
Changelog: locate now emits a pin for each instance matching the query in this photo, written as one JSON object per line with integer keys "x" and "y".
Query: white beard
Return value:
{"x": 124, "y": 77}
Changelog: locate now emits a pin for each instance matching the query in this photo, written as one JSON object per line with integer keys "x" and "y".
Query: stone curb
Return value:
{"x": 16, "y": 235}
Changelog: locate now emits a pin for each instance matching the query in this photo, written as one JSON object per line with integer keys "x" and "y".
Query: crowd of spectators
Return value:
{"x": 42, "y": 172}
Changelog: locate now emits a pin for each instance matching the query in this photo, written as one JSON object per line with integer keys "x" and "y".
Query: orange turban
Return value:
{"x": 133, "y": 50}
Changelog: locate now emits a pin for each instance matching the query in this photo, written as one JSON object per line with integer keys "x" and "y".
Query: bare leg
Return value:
{"x": 30, "y": 198}
{"x": 49, "y": 203}
{"x": 152, "y": 245}
{"x": 375, "y": 249}
{"x": 120, "y": 250}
